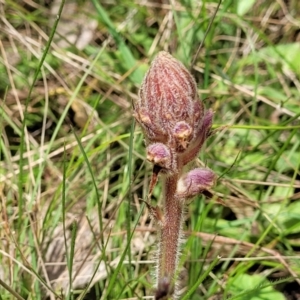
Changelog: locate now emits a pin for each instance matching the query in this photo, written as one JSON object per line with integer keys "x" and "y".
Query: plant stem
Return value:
{"x": 170, "y": 234}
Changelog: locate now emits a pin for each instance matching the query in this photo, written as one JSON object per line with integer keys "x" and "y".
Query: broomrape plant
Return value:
{"x": 175, "y": 125}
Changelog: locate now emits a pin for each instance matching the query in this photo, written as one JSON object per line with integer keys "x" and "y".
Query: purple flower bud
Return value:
{"x": 160, "y": 155}
{"x": 168, "y": 88}
{"x": 195, "y": 182}
{"x": 182, "y": 133}
{"x": 153, "y": 133}
{"x": 168, "y": 108}
{"x": 201, "y": 133}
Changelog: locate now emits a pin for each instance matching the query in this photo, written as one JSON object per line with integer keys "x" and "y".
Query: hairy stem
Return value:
{"x": 170, "y": 235}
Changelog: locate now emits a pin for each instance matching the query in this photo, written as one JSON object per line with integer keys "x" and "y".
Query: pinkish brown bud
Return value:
{"x": 182, "y": 133}
{"x": 201, "y": 133}
{"x": 195, "y": 182}
{"x": 168, "y": 108}
{"x": 168, "y": 88}
{"x": 160, "y": 155}
{"x": 153, "y": 132}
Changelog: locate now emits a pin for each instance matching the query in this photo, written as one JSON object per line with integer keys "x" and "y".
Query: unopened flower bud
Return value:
{"x": 160, "y": 155}
{"x": 195, "y": 182}
{"x": 207, "y": 122}
{"x": 168, "y": 98}
{"x": 143, "y": 117}
{"x": 151, "y": 130}
{"x": 168, "y": 88}
{"x": 183, "y": 134}
{"x": 201, "y": 133}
